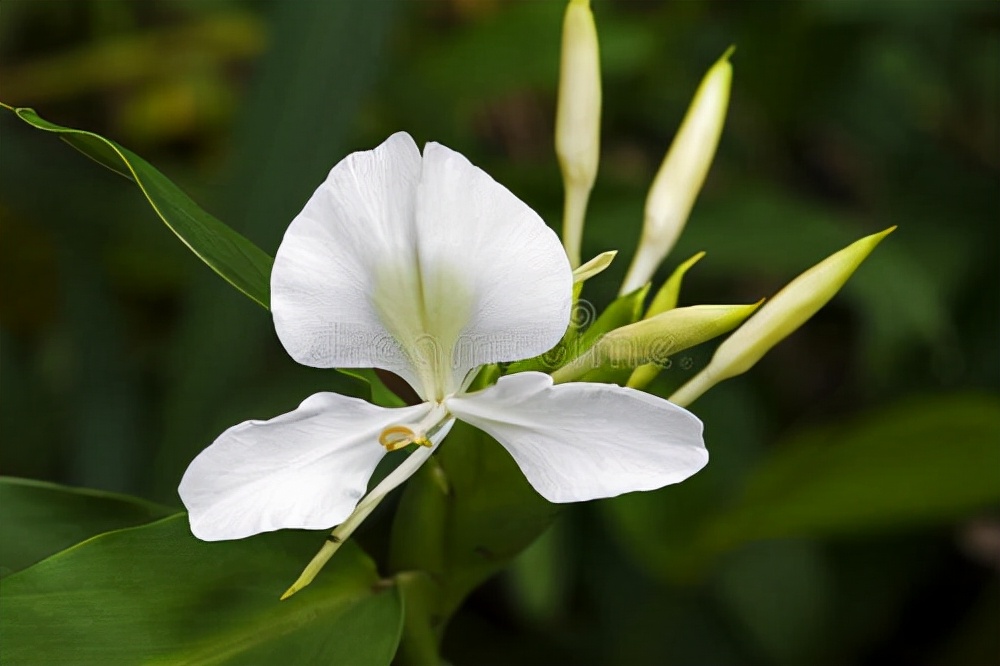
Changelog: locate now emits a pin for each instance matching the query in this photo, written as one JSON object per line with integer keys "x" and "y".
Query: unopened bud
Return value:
{"x": 594, "y": 267}
{"x": 655, "y": 339}
{"x": 578, "y": 119}
{"x": 682, "y": 173}
{"x": 790, "y": 308}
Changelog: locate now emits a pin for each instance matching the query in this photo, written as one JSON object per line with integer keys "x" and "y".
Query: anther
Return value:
{"x": 396, "y": 437}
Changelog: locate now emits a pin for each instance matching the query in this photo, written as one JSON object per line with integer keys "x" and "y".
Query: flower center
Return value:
{"x": 401, "y": 435}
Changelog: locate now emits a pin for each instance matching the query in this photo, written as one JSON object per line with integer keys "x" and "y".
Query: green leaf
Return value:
{"x": 419, "y": 646}
{"x": 236, "y": 259}
{"x": 668, "y": 295}
{"x": 156, "y": 595}
{"x": 919, "y": 462}
{"x": 38, "y": 519}
{"x": 553, "y": 358}
{"x": 575, "y": 344}
{"x": 377, "y": 391}
{"x": 780, "y": 594}
{"x": 280, "y": 150}
{"x": 623, "y": 310}
{"x": 666, "y": 299}
{"x": 538, "y": 580}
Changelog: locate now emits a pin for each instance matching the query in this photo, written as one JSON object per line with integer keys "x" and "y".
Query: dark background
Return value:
{"x": 121, "y": 355}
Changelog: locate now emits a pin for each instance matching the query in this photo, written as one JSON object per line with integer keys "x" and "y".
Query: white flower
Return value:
{"x": 425, "y": 266}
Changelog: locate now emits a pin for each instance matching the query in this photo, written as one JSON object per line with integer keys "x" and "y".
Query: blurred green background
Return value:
{"x": 837, "y": 522}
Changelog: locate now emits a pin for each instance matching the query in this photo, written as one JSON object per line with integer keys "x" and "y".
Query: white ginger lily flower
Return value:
{"x": 425, "y": 266}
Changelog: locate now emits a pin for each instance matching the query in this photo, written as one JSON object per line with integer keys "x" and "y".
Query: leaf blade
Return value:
{"x": 115, "y": 599}
{"x": 232, "y": 256}
{"x": 885, "y": 470}
{"x": 38, "y": 519}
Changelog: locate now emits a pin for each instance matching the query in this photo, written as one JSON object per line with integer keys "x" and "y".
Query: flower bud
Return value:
{"x": 594, "y": 267}
{"x": 682, "y": 173}
{"x": 655, "y": 339}
{"x": 789, "y": 309}
{"x": 578, "y": 119}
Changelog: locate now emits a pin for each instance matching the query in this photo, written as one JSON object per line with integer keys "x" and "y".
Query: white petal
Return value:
{"x": 582, "y": 441}
{"x": 304, "y": 469}
{"x": 354, "y": 235}
{"x": 423, "y": 266}
{"x": 495, "y": 278}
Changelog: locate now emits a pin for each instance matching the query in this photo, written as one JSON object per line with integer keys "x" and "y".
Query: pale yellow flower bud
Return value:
{"x": 578, "y": 119}
{"x": 594, "y": 267}
{"x": 789, "y": 309}
{"x": 682, "y": 173}
{"x": 655, "y": 339}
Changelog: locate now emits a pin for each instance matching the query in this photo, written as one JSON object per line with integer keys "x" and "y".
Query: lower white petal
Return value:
{"x": 582, "y": 441}
{"x": 304, "y": 469}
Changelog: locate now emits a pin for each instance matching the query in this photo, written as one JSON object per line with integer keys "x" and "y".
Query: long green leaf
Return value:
{"x": 320, "y": 55}
{"x": 231, "y": 255}
{"x": 156, "y": 595}
{"x": 919, "y": 462}
{"x": 236, "y": 259}
{"x": 38, "y": 519}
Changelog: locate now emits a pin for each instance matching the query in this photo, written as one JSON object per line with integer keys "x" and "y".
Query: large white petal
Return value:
{"x": 355, "y": 235}
{"x": 423, "y": 266}
{"x": 582, "y": 441}
{"x": 304, "y": 469}
{"x": 495, "y": 278}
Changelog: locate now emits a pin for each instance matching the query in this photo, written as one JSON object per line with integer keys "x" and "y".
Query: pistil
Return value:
{"x": 392, "y": 438}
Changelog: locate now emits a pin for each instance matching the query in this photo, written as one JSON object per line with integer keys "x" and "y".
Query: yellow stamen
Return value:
{"x": 397, "y": 437}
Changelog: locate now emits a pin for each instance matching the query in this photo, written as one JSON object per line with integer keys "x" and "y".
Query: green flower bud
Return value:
{"x": 682, "y": 173}
{"x": 655, "y": 339}
{"x": 594, "y": 266}
{"x": 789, "y": 309}
{"x": 578, "y": 119}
